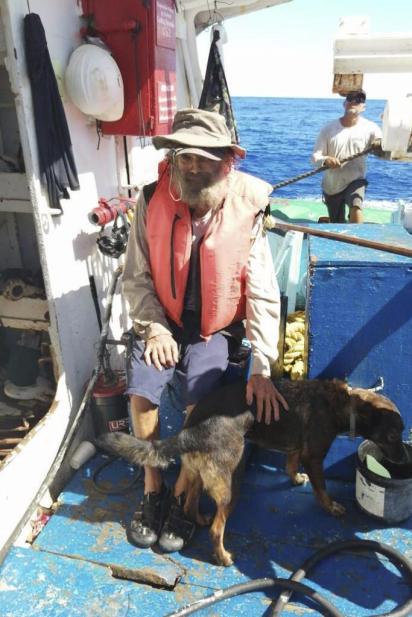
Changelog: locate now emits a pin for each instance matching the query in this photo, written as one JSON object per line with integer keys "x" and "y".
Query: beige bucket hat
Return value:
{"x": 198, "y": 131}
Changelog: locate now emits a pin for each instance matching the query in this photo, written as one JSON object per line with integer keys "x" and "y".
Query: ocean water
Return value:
{"x": 279, "y": 135}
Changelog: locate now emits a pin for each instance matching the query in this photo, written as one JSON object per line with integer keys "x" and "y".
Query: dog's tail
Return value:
{"x": 160, "y": 453}
{"x": 138, "y": 451}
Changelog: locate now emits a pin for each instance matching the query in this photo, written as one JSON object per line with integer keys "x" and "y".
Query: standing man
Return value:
{"x": 344, "y": 184}
{"x": 198, "y": 267}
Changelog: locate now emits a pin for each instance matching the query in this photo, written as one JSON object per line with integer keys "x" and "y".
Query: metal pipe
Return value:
{"x": 273, "y": 223}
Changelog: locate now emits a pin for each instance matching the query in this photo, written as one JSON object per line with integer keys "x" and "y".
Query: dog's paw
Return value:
{"x": 337, "y": 509}
{"x": 300, "y": 478}
{"x": 224, "y": 558}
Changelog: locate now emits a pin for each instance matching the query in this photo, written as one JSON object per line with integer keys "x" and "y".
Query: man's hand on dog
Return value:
{"x": 161, "y": 350}
{"x": 267, "y": 398}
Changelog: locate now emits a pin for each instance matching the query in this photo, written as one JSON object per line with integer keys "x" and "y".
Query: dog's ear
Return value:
{"x": 363, "y": 400}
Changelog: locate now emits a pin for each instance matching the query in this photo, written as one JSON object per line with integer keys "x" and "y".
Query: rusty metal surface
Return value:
{"x": 13, "y": 428}
{"x": 344, "y": 83}
{"x": 17, "y": 418}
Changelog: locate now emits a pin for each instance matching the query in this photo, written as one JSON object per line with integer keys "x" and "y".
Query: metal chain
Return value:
{"x": 319, "y": 169}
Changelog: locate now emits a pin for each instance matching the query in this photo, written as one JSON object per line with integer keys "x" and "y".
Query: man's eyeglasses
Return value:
{"x": 355, "y": 98}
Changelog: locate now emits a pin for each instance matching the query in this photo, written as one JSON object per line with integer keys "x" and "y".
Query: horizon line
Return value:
{"x": 295, "y": 96}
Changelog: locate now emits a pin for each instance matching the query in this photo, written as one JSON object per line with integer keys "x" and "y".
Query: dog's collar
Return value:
{"x": 352, "y": 425}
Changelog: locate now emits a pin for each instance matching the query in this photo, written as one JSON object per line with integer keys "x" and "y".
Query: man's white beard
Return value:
{"x": 202, "y": 193}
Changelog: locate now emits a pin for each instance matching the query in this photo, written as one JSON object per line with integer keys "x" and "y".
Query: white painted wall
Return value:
{"x": 68, "y": 252}
{"x": 67, "y": 242}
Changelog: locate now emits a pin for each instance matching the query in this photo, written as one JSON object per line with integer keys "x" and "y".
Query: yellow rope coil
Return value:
{"x": 293, "y": 359}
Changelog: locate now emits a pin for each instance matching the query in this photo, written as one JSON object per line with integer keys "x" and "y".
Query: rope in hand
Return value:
{"x": 312, "y": 172}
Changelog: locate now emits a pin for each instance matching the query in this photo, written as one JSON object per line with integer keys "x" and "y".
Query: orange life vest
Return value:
{"x": 223, "y": 252}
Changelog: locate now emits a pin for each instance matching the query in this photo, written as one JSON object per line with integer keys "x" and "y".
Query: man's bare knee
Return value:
{"x": 144, "y": 417}
{"x": 355, "y": 213}
{"x": 140, "y": 404}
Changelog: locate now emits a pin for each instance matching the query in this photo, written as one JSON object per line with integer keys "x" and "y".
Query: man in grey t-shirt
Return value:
{"x": 344, "y": 184}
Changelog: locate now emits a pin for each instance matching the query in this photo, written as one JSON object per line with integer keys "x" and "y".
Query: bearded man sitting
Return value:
{"x": 198, "y": 271}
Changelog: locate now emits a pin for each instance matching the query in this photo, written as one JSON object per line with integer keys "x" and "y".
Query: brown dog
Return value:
{"x": 212, "y": 441}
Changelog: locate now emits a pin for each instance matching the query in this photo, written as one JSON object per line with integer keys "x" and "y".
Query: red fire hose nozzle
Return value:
{"x": 107, "y": 212}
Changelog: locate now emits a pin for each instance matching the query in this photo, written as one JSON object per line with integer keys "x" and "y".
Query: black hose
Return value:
{"x": 117, "y": 491}
{"x": 257, "y": 585}
{"x": 402, "y": 563}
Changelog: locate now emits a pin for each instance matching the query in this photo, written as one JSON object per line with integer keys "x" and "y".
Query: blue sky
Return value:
{"x": 287, "y": 50}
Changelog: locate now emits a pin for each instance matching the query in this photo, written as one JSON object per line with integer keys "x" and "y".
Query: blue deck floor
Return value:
{"x": 72, "y": 569}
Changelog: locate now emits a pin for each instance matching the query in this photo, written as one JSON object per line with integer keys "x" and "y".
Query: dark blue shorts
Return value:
{"x": 200, "y": 369}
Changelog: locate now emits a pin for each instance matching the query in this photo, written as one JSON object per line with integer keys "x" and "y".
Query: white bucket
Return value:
{"x": 388, "y": 499}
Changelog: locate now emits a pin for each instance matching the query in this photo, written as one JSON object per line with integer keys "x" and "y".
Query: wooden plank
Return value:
{"x": 26, "y": 313}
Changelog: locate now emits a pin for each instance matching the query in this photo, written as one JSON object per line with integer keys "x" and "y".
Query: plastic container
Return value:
{"x": 387, "y": 499}
{"x": 83, "y": 453}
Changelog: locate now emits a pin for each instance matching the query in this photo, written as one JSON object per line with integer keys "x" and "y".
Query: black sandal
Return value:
{"x": 177, "y": 530}
{"x": 144, "y": 528}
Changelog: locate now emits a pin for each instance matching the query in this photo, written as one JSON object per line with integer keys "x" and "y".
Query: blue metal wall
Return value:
{"x": 359, "y": 311}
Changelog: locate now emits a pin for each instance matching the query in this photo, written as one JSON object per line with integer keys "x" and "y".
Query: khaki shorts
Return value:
{"x": 352, "y": 197}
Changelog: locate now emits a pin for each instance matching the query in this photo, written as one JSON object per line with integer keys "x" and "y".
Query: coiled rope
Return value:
{"x": 293, "y": 359}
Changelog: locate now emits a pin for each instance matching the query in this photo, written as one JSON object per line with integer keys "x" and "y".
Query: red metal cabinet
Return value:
{"x": 141, "y": 36}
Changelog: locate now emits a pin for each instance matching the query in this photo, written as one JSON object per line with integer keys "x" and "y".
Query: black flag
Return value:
{"x": 215, "y": 94}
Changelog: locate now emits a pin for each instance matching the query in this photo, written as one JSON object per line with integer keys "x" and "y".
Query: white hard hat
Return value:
{"x": 94, "y": 83}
